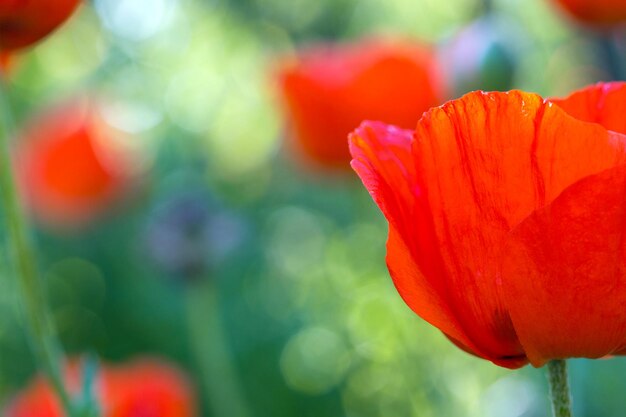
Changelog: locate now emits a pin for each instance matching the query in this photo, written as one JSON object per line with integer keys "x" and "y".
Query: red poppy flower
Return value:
{"x": 506, "y": 222}
{"x": 330, "y": 89}
{"x": 5, "y": 63}
{"x": 146, "y": 388}
{"x": 69, "y": 165}
{"x": 142, "y": 388}
{"x": 596, "y": 12}
{"x": 24, "y": 22}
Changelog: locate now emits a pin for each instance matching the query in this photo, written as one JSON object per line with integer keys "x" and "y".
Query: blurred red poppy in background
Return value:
{"x": 70, "y": 165}
{"x": 24, "y": 22}
{"x": 330, "y": 89}
{"x": 143, "y": 388}
{"x": 506, "y": 222}
{"x": 596, "y": 12}
{"x": 5, "y": 63}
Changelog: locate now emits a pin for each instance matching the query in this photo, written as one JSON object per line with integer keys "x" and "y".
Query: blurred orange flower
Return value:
{"x": 596, "y": 12}
{"x": 143, "y": 388}
{"x": 24, "y": 22}
{"x": 70, "y": 165}
{"x": 506, "y": 221}
{"x": 332, "y": 88}
{"x": 5, "y": 63}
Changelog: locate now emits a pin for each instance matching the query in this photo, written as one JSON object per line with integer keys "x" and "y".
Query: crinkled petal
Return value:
{"x": 383, "y": 160}
{"x": 484, "y": 163}
{"x": 564, "y": 276}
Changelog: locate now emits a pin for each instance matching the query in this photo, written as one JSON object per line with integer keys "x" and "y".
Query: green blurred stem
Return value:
{"x": 559, "y": 388}
{"x": 210, "y": 349}
{"x": 483, "y": 8}
{"x": 487, "y": 5}
{"x": 40, "y": 329}
{"x": 612, "y": 58}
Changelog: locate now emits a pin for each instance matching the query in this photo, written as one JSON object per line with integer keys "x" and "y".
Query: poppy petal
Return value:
{"x": 483, "y": 164}
{"x": 602, "y": 103}
{"x": 564, "y": 275}
{"x": 383, "y": 160}
{"x": 512, "y": 362}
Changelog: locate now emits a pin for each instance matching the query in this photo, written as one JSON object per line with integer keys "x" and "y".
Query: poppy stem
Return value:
{"x": 487, "y": 5}
{"x": 559, "y": 388}
{"x": 611, "y": 55}
{"x": 40, "y": 329}
{"x": 210, "y": 349}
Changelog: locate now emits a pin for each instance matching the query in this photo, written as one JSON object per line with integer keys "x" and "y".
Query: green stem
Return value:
{"x": 559, "y": 388}
{"x": 611, "y": 55}
{"x": 40, "y": 329}
{"x": 487, "y": 6}
{"x": 209, "y": 346}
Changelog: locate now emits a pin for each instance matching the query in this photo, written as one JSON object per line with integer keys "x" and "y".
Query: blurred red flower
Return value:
{"x": 143, "y": 388}
{"x": 596, "y": 12}
{"x": 330, "y": 89}
{"x": 70, "y": 165}
{"x": 5, "y": 63}
{"x": 506, "y": 221}
{"x": 24, "y": 22}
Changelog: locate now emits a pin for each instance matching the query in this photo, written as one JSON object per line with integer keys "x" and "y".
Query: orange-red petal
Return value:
{"x": 564, "y": 275}
{"x": 383, "y": 160}
{"x": 486, "y": 162}
{"x": 602, "y": 103}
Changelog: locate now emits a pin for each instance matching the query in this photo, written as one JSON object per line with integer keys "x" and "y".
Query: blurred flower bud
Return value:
{"x": 71, "y": 165}
{"x": 602, "y": 13}
{"x": 23, "y": 23}
{"x": 482, "y": 56}
{"x": 144, "y": 387}
{"x": 190, "y": 234}
{"x": 330, "y": 89}
{"x": 6, "y": 60}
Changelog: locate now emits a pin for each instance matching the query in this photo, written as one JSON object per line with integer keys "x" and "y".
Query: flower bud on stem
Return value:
{"x": 559, "y": 388}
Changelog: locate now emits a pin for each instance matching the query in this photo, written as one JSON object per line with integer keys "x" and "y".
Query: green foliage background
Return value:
{"x": 313, "y": 321}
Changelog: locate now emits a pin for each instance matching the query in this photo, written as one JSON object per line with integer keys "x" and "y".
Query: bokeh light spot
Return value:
{"x": 315, "y": 360}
